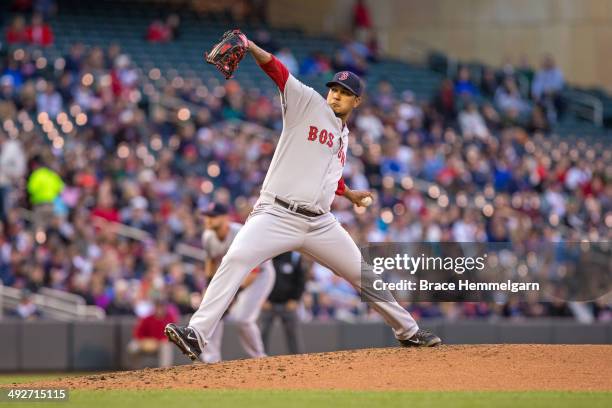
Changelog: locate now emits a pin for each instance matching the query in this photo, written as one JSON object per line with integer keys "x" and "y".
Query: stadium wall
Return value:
{"x": 102, "y": 345}
{"x": 577, "y": 33}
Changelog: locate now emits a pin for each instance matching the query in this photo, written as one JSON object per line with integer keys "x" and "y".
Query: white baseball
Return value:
{"x": 366, "y": 201}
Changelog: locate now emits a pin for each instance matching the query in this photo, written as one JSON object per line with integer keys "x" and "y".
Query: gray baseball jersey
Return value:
{"x": 214, "y": 247}
{"x": 311, "y": 151}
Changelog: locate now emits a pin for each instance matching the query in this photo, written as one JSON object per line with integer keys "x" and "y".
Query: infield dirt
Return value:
{"x": 445, "y": 368}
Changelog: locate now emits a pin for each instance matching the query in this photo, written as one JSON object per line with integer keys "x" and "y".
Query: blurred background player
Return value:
{"x": 284, "y": 300}
{"x": 26, "y": 309}
{"x": 216, "y": 240}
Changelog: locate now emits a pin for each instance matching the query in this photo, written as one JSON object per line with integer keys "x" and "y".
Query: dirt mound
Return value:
{"x": 478, "y": 367}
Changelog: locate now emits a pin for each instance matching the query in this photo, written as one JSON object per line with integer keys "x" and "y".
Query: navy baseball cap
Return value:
{"x": 348, "y": 80}
{"x": 214, "y": 210}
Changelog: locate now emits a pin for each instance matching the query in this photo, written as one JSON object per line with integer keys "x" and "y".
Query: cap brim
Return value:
{"x": 332, "y": 83}
{"x": 212, "y": 213}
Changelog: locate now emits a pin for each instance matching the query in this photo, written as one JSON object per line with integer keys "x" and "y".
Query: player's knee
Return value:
{"x": 237, "y": 259}
{"x": 245, "y": 325}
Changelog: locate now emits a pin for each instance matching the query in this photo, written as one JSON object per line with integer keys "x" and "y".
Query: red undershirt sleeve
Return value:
{"x": 277, "y": 71}
{"x": 341, "y": 187}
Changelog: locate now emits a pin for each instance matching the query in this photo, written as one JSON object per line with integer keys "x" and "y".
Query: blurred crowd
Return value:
{"x": 94, "y": 151}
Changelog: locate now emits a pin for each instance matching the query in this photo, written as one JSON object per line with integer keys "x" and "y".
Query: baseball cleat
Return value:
{"x": 185, "y": 339}
{"x": 422, "y": 338}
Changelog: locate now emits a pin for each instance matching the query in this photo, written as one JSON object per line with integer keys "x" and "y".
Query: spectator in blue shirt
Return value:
{"x": 546, "y": 88}
{"x": 464, "y": 87}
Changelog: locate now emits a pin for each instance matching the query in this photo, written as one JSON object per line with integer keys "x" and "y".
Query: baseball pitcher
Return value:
{"x": 293, "y": 210}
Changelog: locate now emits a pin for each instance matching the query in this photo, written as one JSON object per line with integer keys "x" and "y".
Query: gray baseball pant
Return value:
{"x": 272, "y": 230}
{"x": 244, "y": 312}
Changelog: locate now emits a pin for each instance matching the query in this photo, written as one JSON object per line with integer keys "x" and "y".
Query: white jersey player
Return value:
{"x": 293, "y": 210}
{"x": 216, "y": 240}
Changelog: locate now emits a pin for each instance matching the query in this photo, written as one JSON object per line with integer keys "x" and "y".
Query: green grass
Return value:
{"x": 335, "y": 399}
{"x": 310, "y": 399}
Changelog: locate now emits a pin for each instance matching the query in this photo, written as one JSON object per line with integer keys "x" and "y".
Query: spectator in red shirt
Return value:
{"x": 39, "y": 33}
{"x": 158, "y": 32}
{"x": 362, "y": 22}
{"x": 444, "y": 101}
{"x": 16, "y": 33}
{"x": 361, "y": 15}
{"x": 149, "y": 335}
{"x": 105, "y": 208}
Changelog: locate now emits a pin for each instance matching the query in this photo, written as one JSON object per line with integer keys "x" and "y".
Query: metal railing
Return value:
{"x": 126, "y": 231}
{"x": 54, "y": 304}
{"x": 585, "y": 105}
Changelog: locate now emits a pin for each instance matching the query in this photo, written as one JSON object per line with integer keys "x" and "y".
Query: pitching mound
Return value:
{"x": 472, "y": 368}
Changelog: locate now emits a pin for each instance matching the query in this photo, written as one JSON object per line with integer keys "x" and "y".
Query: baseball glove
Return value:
{"x": 228, "y": 52}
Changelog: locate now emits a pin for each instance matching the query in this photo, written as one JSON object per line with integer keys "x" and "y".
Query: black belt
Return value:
{"x": 299, "y": 210}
